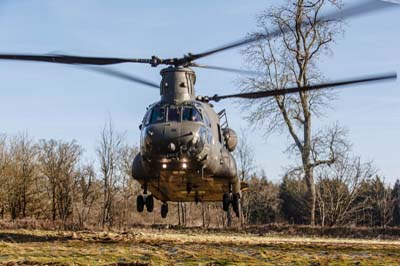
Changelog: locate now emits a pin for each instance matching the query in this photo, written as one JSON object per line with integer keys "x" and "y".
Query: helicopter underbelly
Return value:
{"x": 184, "y": 188}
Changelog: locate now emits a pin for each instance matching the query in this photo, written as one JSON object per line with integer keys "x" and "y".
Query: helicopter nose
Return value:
{"x": 174, "y": 141}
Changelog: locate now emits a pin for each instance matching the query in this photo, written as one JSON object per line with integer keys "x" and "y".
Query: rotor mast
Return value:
{"x": 177, "y": 84}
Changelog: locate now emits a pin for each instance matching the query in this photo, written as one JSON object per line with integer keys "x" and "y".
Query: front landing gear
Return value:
{"x": 231, "y": 199}
{"x": 140, "y": 203}
{"x": 145, "y": 200}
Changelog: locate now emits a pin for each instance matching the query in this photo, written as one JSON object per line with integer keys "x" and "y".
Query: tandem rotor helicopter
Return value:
{"x": 185, "y": 145}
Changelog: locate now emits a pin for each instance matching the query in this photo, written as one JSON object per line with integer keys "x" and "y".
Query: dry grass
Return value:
{"x": 168, "y": 247}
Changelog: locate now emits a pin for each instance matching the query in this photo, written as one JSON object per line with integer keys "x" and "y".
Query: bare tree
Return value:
{"x": 379, "y": 202}
{"x": 244, "y": 157}
{"x": 245, "y": 162}
{"x": 85, "y": 193}
{"x": 58, "y": 161}
{"x": 385, "y": 205}
{"x": 22, "y": 171}
{"x": 339, "y": 189}
{"x": 109, "y": 155}
{"x": 263, "y": 202}
{"x": 182, "y": 213}
{"x": 129, "y": 187}
{"x": 287, "y": 60}
{"x": 4, "y": 162}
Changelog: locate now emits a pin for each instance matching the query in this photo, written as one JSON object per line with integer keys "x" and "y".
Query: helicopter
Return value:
{"x": 186, "y": 146}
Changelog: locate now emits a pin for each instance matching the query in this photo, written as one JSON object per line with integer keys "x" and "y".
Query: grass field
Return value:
{"x": 168, "y": 247}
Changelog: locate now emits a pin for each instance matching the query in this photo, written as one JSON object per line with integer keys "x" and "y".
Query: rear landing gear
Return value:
{"x": 231, "y": 199}
{"x": 226, "y": 200}
{"x": 236, "y": 204}
{"x": 164, "y": 210}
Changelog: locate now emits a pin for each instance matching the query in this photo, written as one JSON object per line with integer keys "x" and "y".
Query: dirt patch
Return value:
{"x": 27, "y": 238}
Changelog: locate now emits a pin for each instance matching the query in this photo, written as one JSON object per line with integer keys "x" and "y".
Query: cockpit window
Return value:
{"x": 174, "y": 114}
{"x": 191, "y": 114}
{"x": 157, "y": 115}
{"x": 147, "y": 117}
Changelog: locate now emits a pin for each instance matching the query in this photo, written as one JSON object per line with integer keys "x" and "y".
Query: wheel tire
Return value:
{"x": 150, "y": 203}
{"x": 164, "y": 210}
{"x": 140, "y": 203}
{"x": 236, "y": 204}
{"x": 225, "y": 202}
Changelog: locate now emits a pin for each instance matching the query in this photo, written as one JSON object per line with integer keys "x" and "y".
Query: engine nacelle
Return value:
{"x": 231, "y": 139}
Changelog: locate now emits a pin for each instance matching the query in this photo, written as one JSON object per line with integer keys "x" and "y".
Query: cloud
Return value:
{"x": 392, "y": 1}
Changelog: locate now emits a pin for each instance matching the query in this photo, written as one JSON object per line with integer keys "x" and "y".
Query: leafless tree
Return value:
{"x": 244, "y": 157}
{"x": 379, "y": 202}
{"x": 4, "y": 156}
{"x": 4, "y": 162}
{"x": 182, "y": 213}
{"x": 339, "y": 189}
{"x": 129, "y": 187}
{"x": 385, "y": 205}
{"x": 109, "y": 156}
{"x": 22, "y": 171}
{"x": 85, "y": 193}
{"x": 58, "y": 162}
{"x": 262, "y": 201}
{"x": 245, "y": 162}
{"x": 292, "y": 60}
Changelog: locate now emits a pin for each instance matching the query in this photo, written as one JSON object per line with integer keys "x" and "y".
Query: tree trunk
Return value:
{"x": 179, "y": 214}
{"x": 53, "y": 205}
{"x": 228, "y": 218}
{"x": 311, "y": 193}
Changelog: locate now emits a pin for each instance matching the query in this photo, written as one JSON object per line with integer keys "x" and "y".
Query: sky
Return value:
{"x": 64, "y": 102}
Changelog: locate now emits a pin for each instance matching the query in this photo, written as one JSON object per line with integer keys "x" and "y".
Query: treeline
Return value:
{"x": 352, "y": 199}
{"x": 49, "y": 183}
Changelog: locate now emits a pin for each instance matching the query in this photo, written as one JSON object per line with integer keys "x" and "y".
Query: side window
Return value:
{"x": 157, "y": 115}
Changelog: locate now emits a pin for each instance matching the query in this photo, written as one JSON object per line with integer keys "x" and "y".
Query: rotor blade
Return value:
{"x": 340, "y": 83}
{"x": 227, "y": 69}
{"x": 362, "y": 8}
{"x": 70, "y": 59}
{"x": 121, "y": 75}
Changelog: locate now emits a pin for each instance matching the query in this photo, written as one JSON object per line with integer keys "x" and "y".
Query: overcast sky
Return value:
{"x": 62, "y": 102}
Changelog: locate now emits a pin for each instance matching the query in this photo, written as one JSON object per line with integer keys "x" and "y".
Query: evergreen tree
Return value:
{"x": 396, "y": 203}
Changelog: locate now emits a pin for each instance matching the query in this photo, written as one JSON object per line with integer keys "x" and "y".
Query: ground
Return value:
{"x": 172, "y": 247}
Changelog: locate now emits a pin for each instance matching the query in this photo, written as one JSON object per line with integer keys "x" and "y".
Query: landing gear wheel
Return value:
{"x": 150, "y": 203}
{"x": 236, "y": 204}
{"x": 140, "y": 203}
{"x": 225, "y": 202}
{"x": 164, "y": 210}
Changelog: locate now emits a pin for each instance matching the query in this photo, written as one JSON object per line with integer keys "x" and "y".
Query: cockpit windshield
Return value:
{"x": 157, "y": 115}
{"x": 173, "y": 114}
{"x": 191, "y": 114}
